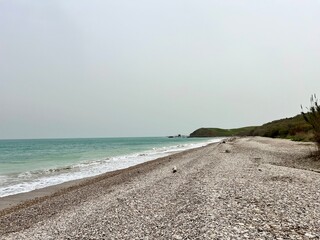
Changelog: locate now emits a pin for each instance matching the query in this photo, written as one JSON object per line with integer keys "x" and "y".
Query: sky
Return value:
{"x": 105, "y": 68}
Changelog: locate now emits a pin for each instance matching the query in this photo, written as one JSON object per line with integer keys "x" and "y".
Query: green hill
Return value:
{"x": 218, "y": 132}
{"x": 294, "y": 128}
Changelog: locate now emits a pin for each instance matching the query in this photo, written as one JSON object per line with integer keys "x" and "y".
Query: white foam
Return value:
{"x": 29, "y": 181}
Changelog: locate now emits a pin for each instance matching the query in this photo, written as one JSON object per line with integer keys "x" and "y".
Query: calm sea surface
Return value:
{"x": 26, "y": 165}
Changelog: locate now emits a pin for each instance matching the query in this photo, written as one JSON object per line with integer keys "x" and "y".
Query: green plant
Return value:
{"x": 312, "y": 116}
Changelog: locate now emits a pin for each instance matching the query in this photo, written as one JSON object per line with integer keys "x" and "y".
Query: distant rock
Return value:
{"x": 178, "y": 136}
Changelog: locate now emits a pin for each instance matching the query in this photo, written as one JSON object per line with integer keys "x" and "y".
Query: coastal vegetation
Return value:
{"x": 294, "y": 128}
{"x": 302, "y": 127}
{"x": 312, "y": 117}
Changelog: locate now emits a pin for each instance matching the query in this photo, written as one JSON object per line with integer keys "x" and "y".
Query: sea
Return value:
{"x": 26, "y": 165}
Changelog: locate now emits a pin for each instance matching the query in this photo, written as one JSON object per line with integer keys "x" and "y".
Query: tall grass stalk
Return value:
{"x": 312, "y": 116}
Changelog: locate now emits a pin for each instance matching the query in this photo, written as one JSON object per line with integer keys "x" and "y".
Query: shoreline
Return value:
{"x": 58, "y": 174}
{"x": 18, "y": 201}
{"x": 248, "y": 187}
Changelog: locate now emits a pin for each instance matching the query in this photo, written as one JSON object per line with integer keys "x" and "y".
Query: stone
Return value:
{"x": 174, "y": 169}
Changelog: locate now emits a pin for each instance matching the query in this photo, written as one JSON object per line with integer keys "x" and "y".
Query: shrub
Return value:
{"x": 312, "y": 116}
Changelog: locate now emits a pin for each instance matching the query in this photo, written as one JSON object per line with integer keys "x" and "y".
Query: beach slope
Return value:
{"x": 246, "y": 188}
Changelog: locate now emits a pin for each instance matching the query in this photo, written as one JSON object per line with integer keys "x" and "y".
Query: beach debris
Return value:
{"x": 223, "y": 141}
{"x": 227, "y": 151}
{"x": 174, "y": 169}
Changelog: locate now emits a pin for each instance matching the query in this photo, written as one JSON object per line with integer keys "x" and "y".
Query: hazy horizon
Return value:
{"x": 71, "y": 69}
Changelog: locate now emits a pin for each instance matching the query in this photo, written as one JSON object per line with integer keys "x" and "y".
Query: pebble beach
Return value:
{"x": 243, "y": 188}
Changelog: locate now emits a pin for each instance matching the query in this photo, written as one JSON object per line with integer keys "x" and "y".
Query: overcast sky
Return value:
{"x": 75, "y": 68}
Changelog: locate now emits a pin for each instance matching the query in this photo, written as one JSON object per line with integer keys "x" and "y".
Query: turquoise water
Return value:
{"x": 26, "y": 165}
